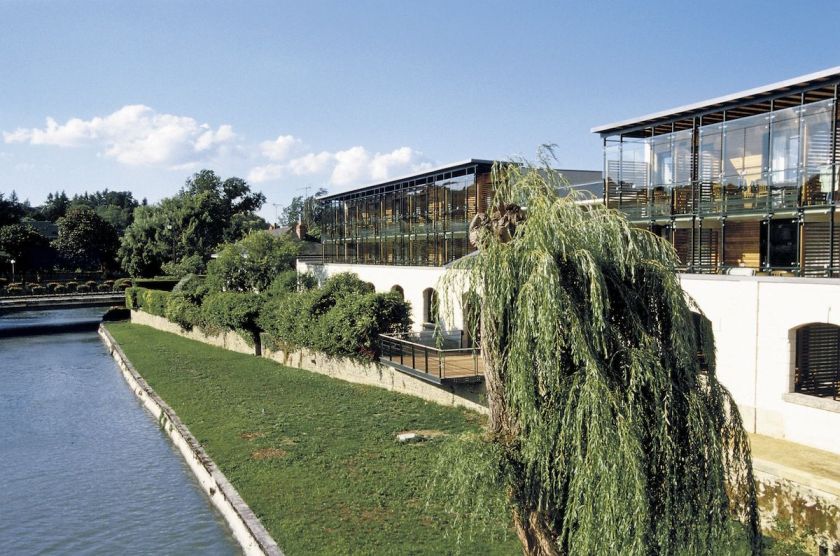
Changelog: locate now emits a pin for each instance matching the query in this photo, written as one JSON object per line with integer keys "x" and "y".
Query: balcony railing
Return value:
{"x": 439, "y": 365}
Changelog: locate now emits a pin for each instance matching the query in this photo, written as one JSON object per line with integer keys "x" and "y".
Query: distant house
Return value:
{"x": 45, "y": 228}
{"x": 309, "y": 245}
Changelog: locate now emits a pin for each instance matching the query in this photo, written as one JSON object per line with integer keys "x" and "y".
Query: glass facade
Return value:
{"x": 735, "y": 185}
{"x": 421, "y": 221}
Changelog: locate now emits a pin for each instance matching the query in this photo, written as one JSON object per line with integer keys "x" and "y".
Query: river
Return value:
{"x": 84, "y": 468}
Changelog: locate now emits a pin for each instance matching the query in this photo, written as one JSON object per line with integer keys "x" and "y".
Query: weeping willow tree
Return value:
{"x": 608, "y": 430}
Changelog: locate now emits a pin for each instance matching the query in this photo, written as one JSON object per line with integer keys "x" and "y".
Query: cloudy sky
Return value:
{"x": 138, "y": 95}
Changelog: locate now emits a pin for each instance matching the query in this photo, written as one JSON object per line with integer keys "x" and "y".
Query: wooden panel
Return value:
{"x": 816, "y": 247}
{"x": 743, "y": 244}
{"x": 682, "y": 244}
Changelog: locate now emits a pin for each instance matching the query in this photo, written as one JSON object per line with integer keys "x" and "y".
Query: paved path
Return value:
{"x": 801, "y": 464}
{"x": 35, "y": 302}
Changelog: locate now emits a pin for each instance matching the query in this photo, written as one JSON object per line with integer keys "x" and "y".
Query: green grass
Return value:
{"x": 315, "y": 458}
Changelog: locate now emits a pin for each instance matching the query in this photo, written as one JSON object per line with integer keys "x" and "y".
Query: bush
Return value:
{"x": 233, "y": 310}
{"x": 153, "y": 301}
{"x": 193, "y": 287}
{"x": 82, "y": 288}
{"x": 289, "y": 281}
{"x": 342, "y": 318}
{"x": 60, "y": 288}
{"x": 181, "y": 310}
{"x": 194, "y": 264}
{"x": 121, "y": 284}
{"x": 252, "y": 263}
{"x": 91, "y": 284}
{"x": 14, "y": 290}
{"x": 163, "y": 284}
{"x": 104, "y": 288}
{"x": 38, "y": 290}
{"x": 71, "y": 286}
{"x": 131, "y": 298}
{"x": 52, "y": 286}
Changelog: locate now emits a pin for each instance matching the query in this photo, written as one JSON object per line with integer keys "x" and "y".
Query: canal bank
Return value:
{"x": 246, "y": 527}
{"x": 86, "y": 470}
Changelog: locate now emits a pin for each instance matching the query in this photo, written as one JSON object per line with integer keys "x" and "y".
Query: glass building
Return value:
{"x": 748, "y": 180}
{"x": 420, "y": 220}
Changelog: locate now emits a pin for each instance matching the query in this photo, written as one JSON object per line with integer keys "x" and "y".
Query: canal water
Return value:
{"x": 84, "y": 468}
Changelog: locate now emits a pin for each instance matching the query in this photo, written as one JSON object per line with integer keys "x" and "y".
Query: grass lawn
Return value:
{"x": 314, "y": 457}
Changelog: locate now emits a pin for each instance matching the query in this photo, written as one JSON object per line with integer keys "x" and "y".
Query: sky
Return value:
{"x": 138, "y": 95}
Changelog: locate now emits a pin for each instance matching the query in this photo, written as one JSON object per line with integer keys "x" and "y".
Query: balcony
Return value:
{"x": 439, "y": 360}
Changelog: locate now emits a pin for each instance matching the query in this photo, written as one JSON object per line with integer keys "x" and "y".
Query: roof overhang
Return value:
{"x": 689, "y": 110}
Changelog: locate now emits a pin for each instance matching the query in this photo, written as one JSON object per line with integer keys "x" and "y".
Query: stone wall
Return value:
{"x": 469, "y": 396}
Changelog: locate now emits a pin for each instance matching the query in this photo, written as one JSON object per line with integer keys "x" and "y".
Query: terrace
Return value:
{"x": 435, "y": 358}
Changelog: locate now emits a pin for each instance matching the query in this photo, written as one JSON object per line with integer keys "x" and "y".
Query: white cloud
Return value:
{"x": 135, "y": 135}
{"x": 280, "y": 148}
{"x": 352, "y": 166}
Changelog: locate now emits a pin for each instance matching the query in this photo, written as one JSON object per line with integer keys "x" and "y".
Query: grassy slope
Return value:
{"x": 314, "y": 457}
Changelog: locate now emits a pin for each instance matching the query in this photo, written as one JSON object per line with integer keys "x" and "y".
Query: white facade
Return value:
{"x": 754, "y": 321}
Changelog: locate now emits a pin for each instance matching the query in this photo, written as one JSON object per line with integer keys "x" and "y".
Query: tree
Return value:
{"x": 23, "y": 244}
{"x": 115, "y": 207}
{"x": 55, "y": 207}
{"x": 10, "y": 210}
{"x": 605, "y": 434}
{"x": 206, "y": 212}
{"x": 251, "y": 264}
{"x": 308, "y": 210}
{"x": 85, "y": 240}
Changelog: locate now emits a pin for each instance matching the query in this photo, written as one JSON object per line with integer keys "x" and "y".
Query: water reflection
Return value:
{"x": 86, "y": 469}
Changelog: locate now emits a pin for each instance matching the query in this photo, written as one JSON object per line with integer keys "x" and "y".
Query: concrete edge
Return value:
{"x": 821, "y": 485}
{"x": 246, "y": 527}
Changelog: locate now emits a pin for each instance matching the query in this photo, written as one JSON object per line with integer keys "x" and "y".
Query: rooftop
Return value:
{"x": 697, "y": 108}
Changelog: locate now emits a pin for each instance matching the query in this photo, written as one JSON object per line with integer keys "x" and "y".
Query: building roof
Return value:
{"x": 720, "y": 102}
{"x": 422, "y": 173}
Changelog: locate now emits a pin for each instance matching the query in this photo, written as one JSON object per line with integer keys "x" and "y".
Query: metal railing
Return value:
{"x": 461, "y": 363}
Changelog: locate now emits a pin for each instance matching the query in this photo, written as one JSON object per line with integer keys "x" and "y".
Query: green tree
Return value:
{"x": 85, "y": 240}
{"x": 11, "y": 210}
{"x": 23, "y": 244}
{"x": 252, "y": 263}
{"x": 55, "y": 207}
{"x": 115, "y": 207}
{"x": 308, "y": 210}
{"x": 194, "y": 222}
{"x": 605, "y": 434}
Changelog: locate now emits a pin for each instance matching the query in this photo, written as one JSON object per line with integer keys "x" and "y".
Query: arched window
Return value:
{"x": 703, "y": 330}
{"x": 396, "y": 288}
{"x": 430, "y": 306}
{"x": 817, "y": 369}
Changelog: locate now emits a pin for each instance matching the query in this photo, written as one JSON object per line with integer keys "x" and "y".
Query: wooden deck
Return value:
{"x": 432, "y": 364}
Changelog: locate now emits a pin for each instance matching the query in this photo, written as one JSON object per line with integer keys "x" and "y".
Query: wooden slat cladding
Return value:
{"x": 818, "y": 360}
{"x": 682, "y": 244}
{"x": 817, "y": 247}
{"x": 707, "y": 250}
{"x": 743, "y": 244}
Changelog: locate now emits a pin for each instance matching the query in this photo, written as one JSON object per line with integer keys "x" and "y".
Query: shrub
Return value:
{"x": 121, "y": 284}
{"x": 181, "y": 310}
{"x": 290, "y": 281}
{"x": 83, "y": 288}
{"x": 104, "y": 288}
{"x": 60, "y": 288}
{"x": 14, "y": 290}
{"x": 342, "y": 318}
{"x": 232, "y": 310}
{"x": 132, "y": 298}
{"x": 153, "y": 301}
{"x": 91, "y": 284}
{"x": 252, "y": 263}
{"x": 38, "y": 290}
{"x": 194, "y": 264}
{"x": 52, "y": 286}
{"x": 193, "y": 287}
{"x": 71, "y": 286}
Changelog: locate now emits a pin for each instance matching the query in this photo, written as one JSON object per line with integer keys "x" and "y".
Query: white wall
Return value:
{"x": 754, "y": 320}
{"x": 753, "y": 317}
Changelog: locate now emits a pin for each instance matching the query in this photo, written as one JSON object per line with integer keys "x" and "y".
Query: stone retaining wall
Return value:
{"x": 469, "y": 396}
{"x": 246, "y": 527}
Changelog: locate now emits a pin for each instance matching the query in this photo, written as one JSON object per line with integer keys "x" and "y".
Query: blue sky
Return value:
{"x": 337, "y": 94}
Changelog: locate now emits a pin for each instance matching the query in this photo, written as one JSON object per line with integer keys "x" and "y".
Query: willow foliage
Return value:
{"x": 608, "y": 435}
